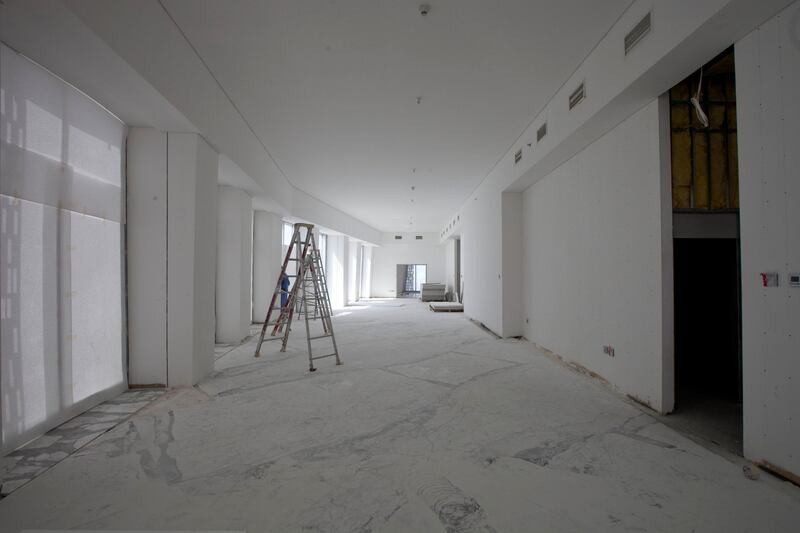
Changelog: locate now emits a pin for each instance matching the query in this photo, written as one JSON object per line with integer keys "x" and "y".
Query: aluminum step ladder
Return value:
{"x": 308, "y": 296}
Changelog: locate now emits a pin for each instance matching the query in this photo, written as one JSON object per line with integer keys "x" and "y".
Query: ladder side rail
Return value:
{"x": 274, "y": 297}
{"x": 298, "y": 281}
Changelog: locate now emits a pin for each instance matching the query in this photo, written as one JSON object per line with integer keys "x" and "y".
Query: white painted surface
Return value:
{"x": 234, "y": 261}
{"x": 512, "y": 276}
{"x": 592, "y": 258}
{"x": 147, "y": 256}
{"x": 267, "y": 260}
{"x": 385, "y": 259}
{"x": 767, "y": 81}
{"x": 337, "y": 270}
{"x": 352, "y": 279}
{"x": 450, "y": 266}
{"x": 192, "y": 246}
{"x": 61, "y": 319}
{"x": 685, "y": 35}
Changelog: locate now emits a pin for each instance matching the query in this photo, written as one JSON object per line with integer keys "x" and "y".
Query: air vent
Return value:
{"x": 541, "y": 132}
{"x": 637, "y": 33}
{"x": 518, "y": 156}
{"x": 577, "y": 95}
{"x": 398, "y": 237}
{"x": 418, "y": 237}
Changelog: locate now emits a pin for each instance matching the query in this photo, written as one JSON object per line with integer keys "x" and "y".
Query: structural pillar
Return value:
{"x": 234, "y": 244}
{"x": 171, "y": 249}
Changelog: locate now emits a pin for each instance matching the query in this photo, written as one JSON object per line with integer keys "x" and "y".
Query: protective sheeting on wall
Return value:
{"x": 767, "y": 78}
{"x": 61, "y": 157}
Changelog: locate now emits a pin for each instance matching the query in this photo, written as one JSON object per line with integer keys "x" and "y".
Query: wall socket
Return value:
{"x": 608, "y": 350}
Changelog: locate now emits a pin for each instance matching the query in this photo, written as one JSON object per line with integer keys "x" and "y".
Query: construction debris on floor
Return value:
{"x": 432, "y": 425}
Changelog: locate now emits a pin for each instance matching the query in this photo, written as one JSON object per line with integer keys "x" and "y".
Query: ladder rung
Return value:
{"x": 322, "y": 356}
{"x": 271, "y": 338}
{"x": 319, "y": 336}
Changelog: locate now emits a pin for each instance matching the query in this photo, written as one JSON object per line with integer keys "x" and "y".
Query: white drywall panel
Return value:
{"x": 191, "y": 233}
{"x": 512, "y": 264}
{"x": 768, "y": 111}
{"x": 450, "y": 266}
{"x": 147, "y": 256}
{"x": 234, "y": 236}
{"x": 352, "y": 270}
{"x": 267, "y": 260}
{"x": 592, "y": 258}
{"x": 386, "y": 258}
{"x": 337, "y": 268}
{"x": 685, "y": 35}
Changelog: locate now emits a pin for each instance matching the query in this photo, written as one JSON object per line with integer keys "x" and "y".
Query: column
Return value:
{"x": 171, "y": 257}
{"x": 234, "y": 244}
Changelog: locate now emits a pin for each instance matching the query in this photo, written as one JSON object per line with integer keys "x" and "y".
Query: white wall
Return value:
{"x": 353, "y": 277}
{"x": 512, "y": 276}
{"x": 685, "y": 35}
{"x": 234, "y": 261}
{"x": 592, "y": 259}
{"x": 171, "y": 340}
{"x": 147, "y": 256}
{"x": 191, "y": 264}
{"x": 337, "y": 270}
{"x": 768, "y": 110}
{"x": 267, "y": 259}
{"x": 385, "y": 259}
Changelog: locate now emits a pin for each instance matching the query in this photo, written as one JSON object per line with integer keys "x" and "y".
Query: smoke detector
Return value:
{"x": 424, "y": 9}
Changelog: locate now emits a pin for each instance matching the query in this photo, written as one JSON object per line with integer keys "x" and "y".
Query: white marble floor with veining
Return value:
{"x": 431, "y": 424}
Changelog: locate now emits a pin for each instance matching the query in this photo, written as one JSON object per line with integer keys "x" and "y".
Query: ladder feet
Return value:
{"x": 312, "y": 369}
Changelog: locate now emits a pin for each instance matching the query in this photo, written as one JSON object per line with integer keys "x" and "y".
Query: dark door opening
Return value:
{"x": 707, "y": 353}
{"x": 705, "y": 201}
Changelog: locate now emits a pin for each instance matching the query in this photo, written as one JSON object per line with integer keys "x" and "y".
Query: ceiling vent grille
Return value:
{"x": 518, "y": 156}
{"x": 398, "y": 237}
{"x": 541, "y": 132}
{"x": 418, "y": 237}
{"x": 638, "y": 33}
{"x": 577, "y": 95}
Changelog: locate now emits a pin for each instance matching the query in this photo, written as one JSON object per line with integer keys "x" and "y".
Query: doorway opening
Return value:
{"x": 705, "y": 201}
{"x": 410, "y": 279}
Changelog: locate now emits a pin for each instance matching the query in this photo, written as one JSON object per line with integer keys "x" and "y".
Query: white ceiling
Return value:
{"x": 331, "y": 88}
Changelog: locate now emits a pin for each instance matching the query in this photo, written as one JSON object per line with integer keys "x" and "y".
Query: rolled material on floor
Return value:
{"x": 446, "y": 307}
{"x": 433, "y": 292}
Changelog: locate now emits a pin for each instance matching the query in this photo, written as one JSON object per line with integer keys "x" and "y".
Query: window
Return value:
{"x": 323, "y": 251}
{"x": 61, "y": 326}
{"x": 288, "y": 232}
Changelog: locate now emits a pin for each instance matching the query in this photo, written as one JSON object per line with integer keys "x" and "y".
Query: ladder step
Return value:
{"x": 319, "y": 336}
{"x": 322, "y": 356}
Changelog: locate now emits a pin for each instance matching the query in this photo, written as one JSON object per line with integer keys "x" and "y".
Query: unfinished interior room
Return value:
{"x": 400, "y": 265}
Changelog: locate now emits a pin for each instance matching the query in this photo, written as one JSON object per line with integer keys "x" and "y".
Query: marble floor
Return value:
{"x": 431, "y": 424}
{"x": 35, "y": 458}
